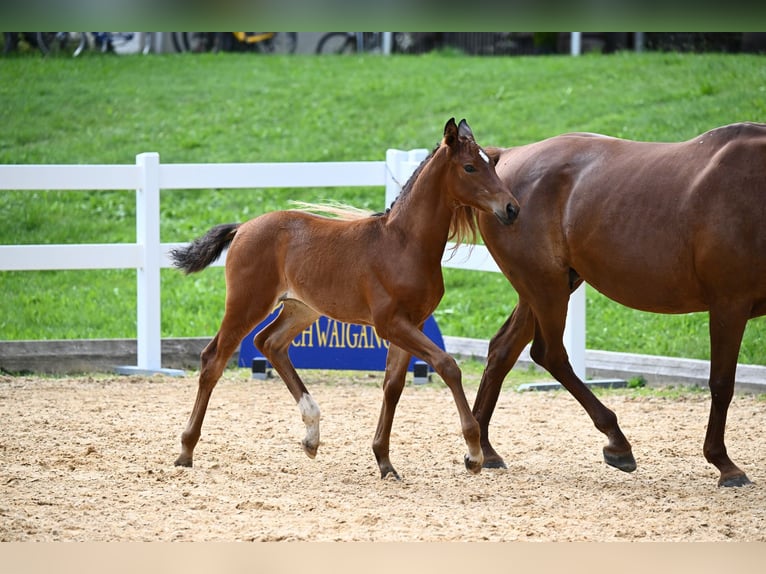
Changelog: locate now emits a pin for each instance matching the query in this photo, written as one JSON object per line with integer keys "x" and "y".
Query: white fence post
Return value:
{"x": 399, "y": 167}
{"x": 574, "y": 331}
{"x": 575, "y": 47}
{"x": 387, "y": 43}
{"x": 148, "y": 299}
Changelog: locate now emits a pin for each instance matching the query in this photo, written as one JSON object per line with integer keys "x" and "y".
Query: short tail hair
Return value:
{"x": 204, "y": 250}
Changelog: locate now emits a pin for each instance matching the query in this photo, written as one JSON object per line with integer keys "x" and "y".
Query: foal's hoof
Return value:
{"x": 473, "y": 466}
{"x": 624, "y": 462}
{"x": 310, "y": 450}
{"x": 183, "y": 461}
{"x": 739, "y": 480}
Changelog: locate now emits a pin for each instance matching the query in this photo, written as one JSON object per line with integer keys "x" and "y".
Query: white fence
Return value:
{"x": 148, "y": 255}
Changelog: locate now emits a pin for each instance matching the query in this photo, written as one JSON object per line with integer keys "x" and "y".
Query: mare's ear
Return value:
{"x": 494, "y": 153}
{"x": 450, "y": 133}
{"x": 464, "y": 130}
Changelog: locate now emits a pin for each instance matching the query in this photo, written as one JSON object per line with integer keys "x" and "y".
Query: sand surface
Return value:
{"x": 91, "y": 459}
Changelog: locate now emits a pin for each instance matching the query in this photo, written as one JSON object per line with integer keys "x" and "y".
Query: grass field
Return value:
{"x": 242, "y": 107}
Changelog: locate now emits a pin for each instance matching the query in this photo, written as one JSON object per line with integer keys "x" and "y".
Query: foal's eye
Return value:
{"x": 469, "y": 168}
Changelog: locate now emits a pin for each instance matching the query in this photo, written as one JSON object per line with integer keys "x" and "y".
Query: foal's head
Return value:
{"x": 472, "y": 180}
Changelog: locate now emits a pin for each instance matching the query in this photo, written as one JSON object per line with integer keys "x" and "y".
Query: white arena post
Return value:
{"x": 574, "y": 331}
{"x": 148, "y": 299}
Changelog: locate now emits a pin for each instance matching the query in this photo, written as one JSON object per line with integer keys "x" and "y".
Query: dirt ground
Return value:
{"x": 91, "y": 459}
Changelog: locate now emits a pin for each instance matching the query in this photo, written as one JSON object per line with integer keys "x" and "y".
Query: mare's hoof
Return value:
{"x": 473, "y": 466}
{"x": 310, "y": 450}
{"x": 183, "y": 461}
{"x": 494, "y": 463}
{"x": 624, "y": 462}
{"x": 739, "y": 480}
{"x": 389, "y": 473}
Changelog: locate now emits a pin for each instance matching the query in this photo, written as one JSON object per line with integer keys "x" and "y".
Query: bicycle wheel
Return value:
{"x": 64, "y": 43}
{"x": 280, "y": 43}
{"x": 179, "y": 41}
{"x": 194, "y": 41}
{"x": 337, "y": 43}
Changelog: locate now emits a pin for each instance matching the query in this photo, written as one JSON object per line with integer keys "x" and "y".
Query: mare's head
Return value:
{"x": 472, "y": 181}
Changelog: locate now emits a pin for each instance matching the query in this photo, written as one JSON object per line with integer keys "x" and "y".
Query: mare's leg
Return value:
{"x": 727, "y": 325}
{"x": 397, "y": 362}
{"x": 549, "y": 352}
{"x": 239, "y": 319}
{"x": 411, "y": 339}
{"x": 274, "y": 341}
{"x": 504, "y": 350}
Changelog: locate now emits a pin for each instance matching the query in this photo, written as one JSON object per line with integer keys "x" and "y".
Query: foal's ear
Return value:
{"x": 450, "y": 133}
{"x": 464, "y": 130}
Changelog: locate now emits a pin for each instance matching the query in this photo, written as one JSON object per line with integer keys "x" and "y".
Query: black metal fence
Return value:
{"x": 530, "y": 43}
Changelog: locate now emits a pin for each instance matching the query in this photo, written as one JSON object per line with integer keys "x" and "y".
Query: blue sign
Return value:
{"x": 330, "y": 344}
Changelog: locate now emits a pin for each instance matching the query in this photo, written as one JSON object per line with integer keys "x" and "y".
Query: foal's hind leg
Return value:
{"x": 726, "y": 329}
{"x": 213, "y": 361}
{"x": 274, "y": 342}
{"x": 504, "y": 350}
{"x": 549, "y": 352}
{"x": 397, "y": 362}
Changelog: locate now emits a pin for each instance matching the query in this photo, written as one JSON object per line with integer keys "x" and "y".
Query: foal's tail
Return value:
{"x": 204, "y": 250}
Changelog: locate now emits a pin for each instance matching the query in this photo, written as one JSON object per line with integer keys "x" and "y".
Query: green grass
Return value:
{"x": 242, "y": 108}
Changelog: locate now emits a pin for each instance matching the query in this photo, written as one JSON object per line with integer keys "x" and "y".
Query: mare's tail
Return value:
{"x": 204, "y": 250}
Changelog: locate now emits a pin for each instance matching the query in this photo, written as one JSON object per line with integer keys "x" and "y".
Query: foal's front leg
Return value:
{"x": 410, "y": 338}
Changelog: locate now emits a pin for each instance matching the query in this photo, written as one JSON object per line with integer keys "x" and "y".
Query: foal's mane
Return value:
{"x": 333, "y": 209}
{"x": 463, "y": 224}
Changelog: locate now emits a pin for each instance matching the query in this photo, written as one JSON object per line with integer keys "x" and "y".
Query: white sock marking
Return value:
{"x": 310, "y": 414}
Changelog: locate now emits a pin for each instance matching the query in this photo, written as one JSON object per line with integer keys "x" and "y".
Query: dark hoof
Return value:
{"x": 183, "y": 461}
{"x": 389, "y": 473}
{"x": 624, "y": 462}
{"x": 740, "y": 480}
{"x": 474, "y": 467}
{"x": 494, "y": 463}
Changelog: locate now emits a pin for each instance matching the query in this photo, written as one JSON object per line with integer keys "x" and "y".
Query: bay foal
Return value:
{"x": 382, "y": 270}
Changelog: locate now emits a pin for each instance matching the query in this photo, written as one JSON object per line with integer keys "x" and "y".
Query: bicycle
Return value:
{"x": 64, "y": 43}
{"x": 121, "y": 42}
{"x": 194, "y": 41}
{"x": 74, "y": 43}
{"x": 262, "y": 42}
{"x": 353, "y": 42}
{"x": 349, "y": 42}
{"x": 19, "y": 42}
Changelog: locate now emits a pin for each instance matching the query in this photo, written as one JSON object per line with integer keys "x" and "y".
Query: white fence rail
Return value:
{"x": 148, "y": 255}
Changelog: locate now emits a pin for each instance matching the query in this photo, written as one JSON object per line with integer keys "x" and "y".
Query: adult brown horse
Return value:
{"x": 382, "y": 270}
{"x": 662, "y": 227}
